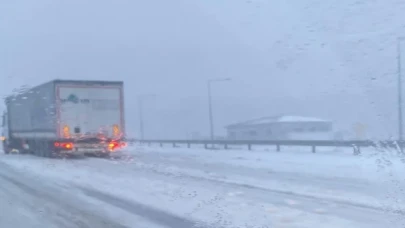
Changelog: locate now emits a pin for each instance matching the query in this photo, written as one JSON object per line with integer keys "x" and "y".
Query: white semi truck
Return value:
{"x": 66, "y": 117}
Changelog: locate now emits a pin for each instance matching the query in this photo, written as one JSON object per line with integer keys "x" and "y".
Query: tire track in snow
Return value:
{"x": 157, "y": 216}
{"x": 56, "y": 208}
{"x": 341, "y": 207}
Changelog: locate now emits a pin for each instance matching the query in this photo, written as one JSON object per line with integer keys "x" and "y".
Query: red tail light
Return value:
{"x": 68, "y": 146}
{"x": 64, "y": 145}
{"x": 116, "y": 145}
{"x": 113, "y": 146}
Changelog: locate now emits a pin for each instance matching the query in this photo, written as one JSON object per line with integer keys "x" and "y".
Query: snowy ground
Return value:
{"x": 180, "y": 187}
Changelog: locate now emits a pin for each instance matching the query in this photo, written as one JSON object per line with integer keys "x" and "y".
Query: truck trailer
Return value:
{"x": 71, "y": 117}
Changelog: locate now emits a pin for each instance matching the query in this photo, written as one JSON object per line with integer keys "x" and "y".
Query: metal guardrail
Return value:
{"x": 313, "y": 144}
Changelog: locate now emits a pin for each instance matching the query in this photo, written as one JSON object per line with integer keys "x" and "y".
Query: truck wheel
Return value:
{"x": 47, "y": 150}
{"x": 39, "y": 149}
{"x": 43, "y": 152}
{"x": 103, "y": 155}
{"x": 5, "y": 148}
{"x": 36, "y": 147}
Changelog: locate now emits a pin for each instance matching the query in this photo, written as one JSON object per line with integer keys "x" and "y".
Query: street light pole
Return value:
{"x": 210, "y": 111}
{"x": 140, "y": 107}
{"x": 211, "y": 118}
{"x": 400, "y": 120}
{"x": 141, "y": 120}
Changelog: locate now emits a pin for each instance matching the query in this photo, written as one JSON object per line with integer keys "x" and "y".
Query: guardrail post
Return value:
{"x": 205, "y": 146}
{"x": 188, "y": 145}
{"x": 278, "y": 147}
{"x": 161, "y": 144}
{"x": 356, "y": 150}
{"x": 249, "y": 146}
{"x": 174, "y": 144}
{"x": 225, "y": 146}
{"x": 313, "y": 149}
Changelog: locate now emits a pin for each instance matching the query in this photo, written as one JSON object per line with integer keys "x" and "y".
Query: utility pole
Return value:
{"x": 210, "y": 113}
{"x": 400, "y": 120}
{"x": 141, "y": 119}
{"x": 140, "y": 107}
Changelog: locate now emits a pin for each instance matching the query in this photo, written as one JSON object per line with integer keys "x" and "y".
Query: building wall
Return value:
{"x": 257, "y": 132}
{"x": 282, "y": 131}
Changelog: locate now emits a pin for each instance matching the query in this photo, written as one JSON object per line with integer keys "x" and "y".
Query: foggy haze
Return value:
{"x": 337, "y": 61}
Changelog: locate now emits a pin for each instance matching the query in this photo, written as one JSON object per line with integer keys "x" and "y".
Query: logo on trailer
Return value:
{"x": 75, "y": 99}
{"x": 71, "y": 98}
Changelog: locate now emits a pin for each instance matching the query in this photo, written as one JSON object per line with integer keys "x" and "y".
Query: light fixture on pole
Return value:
{"x": 399, "y": 65}
{"x": 210, "y": 113}
{"x": 141, "y": 99}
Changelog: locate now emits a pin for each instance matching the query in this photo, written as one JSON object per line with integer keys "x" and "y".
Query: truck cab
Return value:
{"x": 4, "y": 132}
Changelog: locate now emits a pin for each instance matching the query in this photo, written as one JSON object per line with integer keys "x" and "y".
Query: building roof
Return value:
{"x": 277, "y": 119}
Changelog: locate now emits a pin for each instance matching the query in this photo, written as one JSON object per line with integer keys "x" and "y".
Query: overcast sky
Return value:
{"x": 332, "y": 59}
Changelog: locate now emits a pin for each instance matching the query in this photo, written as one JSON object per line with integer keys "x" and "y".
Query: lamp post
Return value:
{"x": 211, "y": 118}
{"x": 141, "y": 99}
{"x": 399, "y": 64}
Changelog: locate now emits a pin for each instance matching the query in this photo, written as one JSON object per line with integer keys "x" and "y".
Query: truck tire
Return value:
{"x": 43, "y": 152}
{"x": 35, "y": 148}
{"x": 38, "y": 149}
{"x": 5, "y": 147}
{"x": 47, "y": 150}
{"x": 105, "y": 155}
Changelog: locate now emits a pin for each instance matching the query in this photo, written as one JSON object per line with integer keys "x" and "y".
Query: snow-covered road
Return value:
{"x": 33, "y": 201}
{"x": 175, "y": 187}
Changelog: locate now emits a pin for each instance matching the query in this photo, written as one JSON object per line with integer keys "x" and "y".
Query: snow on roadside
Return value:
{"x": 379, "y": 174}
{"x": 371, "y": 165}
{"x": 221, "y": 207}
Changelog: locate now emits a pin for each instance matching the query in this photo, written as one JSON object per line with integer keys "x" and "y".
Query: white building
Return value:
{"x": 281, "y": 128}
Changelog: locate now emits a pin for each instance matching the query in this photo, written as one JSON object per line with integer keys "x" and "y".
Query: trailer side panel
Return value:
{"x": 32, "y": 113}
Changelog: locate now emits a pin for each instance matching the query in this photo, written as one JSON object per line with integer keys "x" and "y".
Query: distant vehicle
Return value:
{"x": 66, "y": 117}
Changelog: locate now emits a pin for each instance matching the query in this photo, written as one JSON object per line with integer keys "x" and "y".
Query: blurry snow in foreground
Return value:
{"x": 177, "y": 180}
